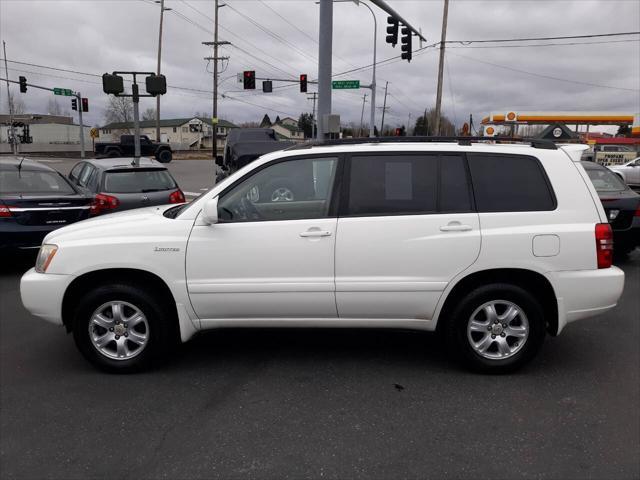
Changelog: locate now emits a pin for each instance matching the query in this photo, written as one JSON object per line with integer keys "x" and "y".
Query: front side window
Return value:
{"x": 289, "y": 190}
{"x": 509, "y": 183}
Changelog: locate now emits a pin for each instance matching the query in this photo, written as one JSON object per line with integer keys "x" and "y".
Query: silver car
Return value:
{"x": 629, "y": 172}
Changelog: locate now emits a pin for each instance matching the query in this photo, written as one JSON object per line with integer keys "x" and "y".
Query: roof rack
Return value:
{"x": 534, "y": 142}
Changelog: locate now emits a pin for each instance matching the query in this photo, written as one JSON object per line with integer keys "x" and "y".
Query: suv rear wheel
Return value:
{"x": 120, "y": 327}
{"x": 497, "y": 328}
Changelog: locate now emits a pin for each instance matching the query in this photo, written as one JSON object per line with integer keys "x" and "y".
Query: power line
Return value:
{"x": 545, "y": 76}
{"x": 565, "y": 37}
{"x": 548, "y": 44}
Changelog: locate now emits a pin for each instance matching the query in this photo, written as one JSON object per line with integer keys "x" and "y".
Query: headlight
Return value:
{"x": 45, "y": 255}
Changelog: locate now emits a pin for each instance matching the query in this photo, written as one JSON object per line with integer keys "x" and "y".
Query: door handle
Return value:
{"x": 455, "y": 227}
{"x": 315, "y": 233}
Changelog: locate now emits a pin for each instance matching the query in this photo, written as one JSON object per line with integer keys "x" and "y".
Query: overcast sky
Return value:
{"x": 98, "y": 36}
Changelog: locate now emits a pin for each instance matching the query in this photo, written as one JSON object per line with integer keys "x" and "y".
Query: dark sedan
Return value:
{"x": 621, "y": 204}
{"x": 34, "y": 200}
{"x": 118, "y": 185}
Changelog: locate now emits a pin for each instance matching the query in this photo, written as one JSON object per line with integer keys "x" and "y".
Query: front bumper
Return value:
{"x": 42, "y": 294}
{"x": 586, "y": 293}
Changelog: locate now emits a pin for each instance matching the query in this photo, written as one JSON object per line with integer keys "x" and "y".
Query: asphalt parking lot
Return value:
{"x": 318, "y": 403}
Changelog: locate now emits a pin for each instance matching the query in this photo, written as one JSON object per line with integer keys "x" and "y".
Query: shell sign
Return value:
{"x": 490, "y": 131}
{"x": 511, "y": 117}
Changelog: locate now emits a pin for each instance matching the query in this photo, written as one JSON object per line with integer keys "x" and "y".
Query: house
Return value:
{"x": 285, "y": 128}
{"x": 182, "y": 133}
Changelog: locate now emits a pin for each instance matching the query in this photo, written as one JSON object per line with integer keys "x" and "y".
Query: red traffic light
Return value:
{"x": 249, "y": 80}
{"x": 85, "y": 104}
{"x": 303, "y": 82}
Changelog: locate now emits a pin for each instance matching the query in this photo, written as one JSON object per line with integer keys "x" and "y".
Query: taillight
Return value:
{"x": 637, "y": 212}
{"x": 177, "y": 197}
{"x": 604, "y": 245}
{"x": 5, "y": 211}
{"x": 103, "y": 203}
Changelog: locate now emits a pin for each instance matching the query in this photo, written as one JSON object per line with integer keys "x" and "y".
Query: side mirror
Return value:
{"x": 219, "y": 160}
{"x": 210, "y": 211}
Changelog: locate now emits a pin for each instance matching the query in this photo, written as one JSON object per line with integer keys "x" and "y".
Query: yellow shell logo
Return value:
{"x": 511, "y": 116}
{"x": 490, "y": 131}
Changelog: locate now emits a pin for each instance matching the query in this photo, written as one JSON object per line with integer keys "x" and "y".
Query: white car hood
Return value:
{"x": 121, "y": 223}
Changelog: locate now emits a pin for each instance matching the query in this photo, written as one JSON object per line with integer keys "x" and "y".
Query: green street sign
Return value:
{"x": 344, "y": 84}
{"x": 63, "y": 91}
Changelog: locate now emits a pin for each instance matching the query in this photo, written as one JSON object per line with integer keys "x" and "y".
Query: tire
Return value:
{"x": 502, "y": 354}
{"x": 142, "y": 340}
{"x": 278, "y": 191}
{"x": 113, "y": 153}
{"x": 164, "y": 156}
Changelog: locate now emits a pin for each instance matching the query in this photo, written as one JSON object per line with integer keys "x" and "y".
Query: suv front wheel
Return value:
{"x": 120, "y": 327}
{"x": 497, "y": 328}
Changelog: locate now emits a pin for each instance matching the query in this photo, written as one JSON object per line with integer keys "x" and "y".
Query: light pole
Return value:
{"x": 373, "y": 75}
{"x": 162, "y": 10}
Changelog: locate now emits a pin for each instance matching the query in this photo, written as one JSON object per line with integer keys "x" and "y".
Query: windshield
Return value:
{"x": 605, "y": 181}
{"x": 138, "y": 181}
{"x": 34, "y": 182}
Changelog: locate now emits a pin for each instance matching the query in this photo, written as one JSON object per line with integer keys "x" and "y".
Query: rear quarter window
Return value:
{"x": 510, "y": 183}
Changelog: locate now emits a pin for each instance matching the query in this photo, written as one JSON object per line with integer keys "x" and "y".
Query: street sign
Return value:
{"x": 94, "y": 132}
{"x": 63, "y": 91}
{"x": 345, "y": 84}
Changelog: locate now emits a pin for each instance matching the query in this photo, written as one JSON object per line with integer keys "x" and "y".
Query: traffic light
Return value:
{"x": 303, "y": 83}
{"x": 85, "y": 104}
{"x": 23, "y": 84}
{"x": 267, "y": 86}
{"x": 249, "y": 80}
{"x": 406, "y": 44}
{"x": 392, "y": 30}
{"x": 74, "y": 104}
{"x": 112, "y": 84}
{"x": 156, "y": 85}
{"x": 398, "y": 132}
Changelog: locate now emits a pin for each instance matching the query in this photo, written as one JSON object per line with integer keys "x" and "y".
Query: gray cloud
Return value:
{"x": 98, "y": 36}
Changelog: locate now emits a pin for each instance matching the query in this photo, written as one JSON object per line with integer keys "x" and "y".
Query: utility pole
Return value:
{"x": 441, "y": 66}
{"x": 325, "y": 45}
{"x": 384, "y": 108}
{"x": 162, "y": 10}
{"x": 215, "y": 58}
{"x": 79, "y": 97}
{"x": 364, "y": 100}
{"x": 14, "y": 144}
{"x": 408, "y": 124}
{"x": 313, "y": 97}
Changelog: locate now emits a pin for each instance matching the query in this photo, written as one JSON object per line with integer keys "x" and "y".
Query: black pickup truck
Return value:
{"x": 161, "y": 151}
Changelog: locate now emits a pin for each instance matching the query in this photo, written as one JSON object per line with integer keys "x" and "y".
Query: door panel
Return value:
{"x": 406, "y": 265}
{"x": 272, "y": 254}
{"x": 262, "y": 269}
{"x": 407, "y": 227}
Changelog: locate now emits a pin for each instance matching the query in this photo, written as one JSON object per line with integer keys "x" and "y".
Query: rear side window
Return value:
{"x": 138, "y": 181}
{"x": 408, "y": 184}
{"x": 509, "y": 183}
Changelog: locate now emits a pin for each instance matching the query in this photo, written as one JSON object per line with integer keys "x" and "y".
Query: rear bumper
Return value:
{"x": 586, "y": 293}
{"x": 42, "y": 294}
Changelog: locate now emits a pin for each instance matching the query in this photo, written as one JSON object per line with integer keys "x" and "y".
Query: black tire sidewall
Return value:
{"x": 457, "y": 327}
{"x": 164, "y": 156}
{"x": 154, "y": 311}
{"x": 113, "y": 153}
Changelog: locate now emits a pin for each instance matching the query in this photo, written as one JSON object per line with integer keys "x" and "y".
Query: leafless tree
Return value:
{"x": 119, "y": 109}
{"x": 17, "y": 105}
{"x": 149, "y": 114}
{"x": 54, "y": 108}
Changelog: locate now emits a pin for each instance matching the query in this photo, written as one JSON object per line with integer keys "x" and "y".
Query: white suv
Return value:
{"x": 493, "y": 245}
